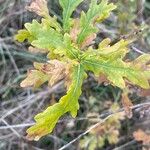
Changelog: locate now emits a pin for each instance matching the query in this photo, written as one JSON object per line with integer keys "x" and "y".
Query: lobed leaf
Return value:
{"x": 23, "y": 35}
{"x": 68, "y": 7}
{"x": 109, "y": 62}
{"x": 34, "y": 78}
{"x": 52, "y": 71}
{"x": 107, "y": 52}
{"x": 87, "y": 21}
{"x": 117, "y": 71}
{"x": 56, "y": 70}
{"x": 39, "y": 7}
{"x": 44, "y": 36}
{"x": 46, "y": 121}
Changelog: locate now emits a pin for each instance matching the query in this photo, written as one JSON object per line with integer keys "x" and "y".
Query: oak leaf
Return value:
{"x": 46, "y": 121}
{"x": 68, "y": 7}
{"x": 88, "y": 40}
{"x": 39, "y": 7}
{"x": 34, "y": 78}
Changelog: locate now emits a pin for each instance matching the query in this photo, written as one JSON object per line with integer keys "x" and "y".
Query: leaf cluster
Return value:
{"x": 71, "y": 55}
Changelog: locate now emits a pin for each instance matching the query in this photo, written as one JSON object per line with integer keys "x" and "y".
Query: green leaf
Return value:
{"x": 52, "y": 22}
{"x": 71, "y": 50}
{"x": 117, "y": 70}
{"x": 109, "y": 61}
{"x": 68, "y": 7}
{"x": 96, "y": 12}
{"x": 41, "y": 35}
{"x": 67, "y": 50}
{"x": 44, "y": 36}
{"x": 107, "y": 52}
{"x": 46, "y": 121}
{"x": 23, "y": 35}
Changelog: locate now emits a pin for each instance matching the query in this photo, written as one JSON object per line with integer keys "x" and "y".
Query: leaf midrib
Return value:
{"x": 110, "y": 66}
{"x": 76, "y": 87}
{"x": 67, "y": 14}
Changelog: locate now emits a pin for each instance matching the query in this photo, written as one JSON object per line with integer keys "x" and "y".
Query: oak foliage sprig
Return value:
{"x": 71, "y": 56}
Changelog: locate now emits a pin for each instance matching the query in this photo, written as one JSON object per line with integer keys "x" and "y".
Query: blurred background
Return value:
{"x": 19, "y": 106}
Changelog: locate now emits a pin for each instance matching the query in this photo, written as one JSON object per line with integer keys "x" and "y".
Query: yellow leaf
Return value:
{"x": 46, "y": 121}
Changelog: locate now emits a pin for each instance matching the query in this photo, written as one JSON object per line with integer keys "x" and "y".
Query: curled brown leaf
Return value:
{"x": 103, "y": 79}
{"x": 34, "y": 78}
{"x": 127, "y": 104}
{"x": 55, "y": 69}
{"x": 88, "y": 41}
{"x": 39, "y": 7}
{"x": 75, "y": 30}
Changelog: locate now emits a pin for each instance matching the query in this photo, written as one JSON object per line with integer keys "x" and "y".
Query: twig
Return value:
{"x": 17, "y": 126}
{"x": 12, "y": 129}
{"x": 125, "y": 145}
{"x": 137, "y": 50}
{"x": 41, "y": 94}
{"x": 78, "y": 119}
{"x": 12, "y": 60}
{"x": 87, "y": 131}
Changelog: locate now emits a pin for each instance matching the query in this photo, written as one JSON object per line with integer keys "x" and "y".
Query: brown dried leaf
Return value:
{"x": 34, "y": 78}
{"x": 88, "y": 41}
{"x": 140, "y": 135}
{"x": 75, "y": 30}
{"x": 102, "y": 79}
{"x": 38, "y": 66}
{"x": 56, "y": 70}
{"x": 53, "y": 71}
{"x": 39, "y": 7}
{"x": 68, "y": 77}
{"x": 127, "y": 104}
